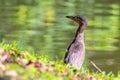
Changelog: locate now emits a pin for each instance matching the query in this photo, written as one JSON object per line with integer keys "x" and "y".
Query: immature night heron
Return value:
{"x": 76, "y": 51}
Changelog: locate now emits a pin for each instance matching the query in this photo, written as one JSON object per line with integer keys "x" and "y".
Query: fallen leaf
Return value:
{"x": 11, "y": 73}
{"x": 1, "y": 50}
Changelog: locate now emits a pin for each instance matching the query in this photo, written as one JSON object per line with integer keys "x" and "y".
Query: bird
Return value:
{"x": 75, "y": 52}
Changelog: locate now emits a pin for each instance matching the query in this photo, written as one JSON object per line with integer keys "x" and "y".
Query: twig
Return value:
{"x": 96, "y": 66}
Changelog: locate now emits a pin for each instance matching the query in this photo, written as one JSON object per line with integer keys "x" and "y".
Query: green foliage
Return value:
{"x": 58, "y": 71}
{"x": 8, "y": 46}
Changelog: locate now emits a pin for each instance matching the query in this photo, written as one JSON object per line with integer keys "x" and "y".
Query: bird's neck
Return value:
{"x": 80, "y": 33}
{"x": 80, "y": 37}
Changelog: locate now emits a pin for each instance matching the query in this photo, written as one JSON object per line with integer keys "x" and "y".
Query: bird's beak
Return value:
{"x": 71, "y": 17}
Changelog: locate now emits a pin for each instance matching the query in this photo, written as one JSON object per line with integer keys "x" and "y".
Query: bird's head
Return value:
{"x": 79, "y": 19}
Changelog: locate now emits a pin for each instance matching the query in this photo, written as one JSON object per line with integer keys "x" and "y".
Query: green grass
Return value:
{"x": 25, "y": 65}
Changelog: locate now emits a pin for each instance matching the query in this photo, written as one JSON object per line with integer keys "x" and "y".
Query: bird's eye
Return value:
{"x": 80, "y": 19}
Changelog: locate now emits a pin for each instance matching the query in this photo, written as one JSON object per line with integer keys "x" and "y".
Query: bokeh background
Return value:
{"x": 41, "y": 26}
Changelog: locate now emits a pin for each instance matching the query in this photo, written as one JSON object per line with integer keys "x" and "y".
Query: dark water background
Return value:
{"x": 41, "y": 26}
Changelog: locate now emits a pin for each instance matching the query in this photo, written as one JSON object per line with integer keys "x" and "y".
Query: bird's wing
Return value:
{"x": 73, "y": 51}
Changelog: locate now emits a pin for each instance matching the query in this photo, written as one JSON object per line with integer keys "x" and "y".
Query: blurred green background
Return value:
{"x": 41, "y": 26}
